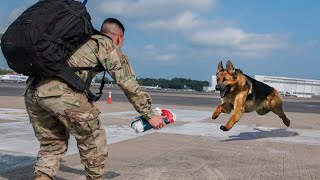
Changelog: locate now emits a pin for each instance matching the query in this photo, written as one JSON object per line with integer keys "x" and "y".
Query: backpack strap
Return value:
{"x": 90, "y": 95}
{"x": 72, "y": 79}
{"x": 85, "y": 2}
{"x": 69, "y": 75}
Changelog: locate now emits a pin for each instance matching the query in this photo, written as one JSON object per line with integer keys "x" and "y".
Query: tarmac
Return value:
{"x": 257, "y": 147}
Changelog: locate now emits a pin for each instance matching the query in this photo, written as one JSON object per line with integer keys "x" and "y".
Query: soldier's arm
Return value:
{"x": 119, "y": 68}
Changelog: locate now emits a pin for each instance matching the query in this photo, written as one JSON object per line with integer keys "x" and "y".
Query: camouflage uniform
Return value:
{"x": 55, "y": 110}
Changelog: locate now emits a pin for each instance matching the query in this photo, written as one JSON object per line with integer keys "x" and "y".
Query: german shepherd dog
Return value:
{"x": 243, "y": 94}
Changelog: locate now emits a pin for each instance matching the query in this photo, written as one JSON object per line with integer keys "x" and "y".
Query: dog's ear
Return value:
{"x": 220, "y": 66}
{"x": 230, "y": 67}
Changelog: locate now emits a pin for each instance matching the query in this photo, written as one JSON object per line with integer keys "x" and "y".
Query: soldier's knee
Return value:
{"x": 87, "y": 127}
{"x": 84, "y": 122}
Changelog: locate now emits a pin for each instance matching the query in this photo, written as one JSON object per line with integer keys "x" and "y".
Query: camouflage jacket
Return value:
{"x": 100, "y": 49}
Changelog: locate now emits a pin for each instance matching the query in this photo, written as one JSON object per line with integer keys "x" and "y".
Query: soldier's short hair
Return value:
{"x": 113, "y": 21}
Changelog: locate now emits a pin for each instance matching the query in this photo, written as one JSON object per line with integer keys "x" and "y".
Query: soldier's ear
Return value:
{"x": 220, "y": 67}
{"x": 230, "y": 68}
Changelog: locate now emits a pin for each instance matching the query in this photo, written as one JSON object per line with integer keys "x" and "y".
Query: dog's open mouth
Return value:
{"x": 225, "y": 91}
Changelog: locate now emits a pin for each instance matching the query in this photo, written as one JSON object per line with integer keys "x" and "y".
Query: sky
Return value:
{"x": 188, "y": 38}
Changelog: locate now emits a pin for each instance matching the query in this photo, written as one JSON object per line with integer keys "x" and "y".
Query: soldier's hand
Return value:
{"x": 157, "y": 122}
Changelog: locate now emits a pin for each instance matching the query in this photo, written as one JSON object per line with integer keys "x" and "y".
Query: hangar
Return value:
{"x": 292, "y": 86}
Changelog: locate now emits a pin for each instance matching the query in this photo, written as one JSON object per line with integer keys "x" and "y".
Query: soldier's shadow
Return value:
{"x": 13, "y": 167}
{"x": 263, "y": 134}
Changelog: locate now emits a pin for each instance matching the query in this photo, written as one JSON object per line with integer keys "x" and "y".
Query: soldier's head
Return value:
{"x": 114, "y": 29}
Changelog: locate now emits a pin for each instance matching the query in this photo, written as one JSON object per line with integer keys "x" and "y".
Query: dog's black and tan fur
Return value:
{"x": 242, "y": 94}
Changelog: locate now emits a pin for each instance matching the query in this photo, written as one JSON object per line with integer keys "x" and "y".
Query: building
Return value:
{"x": 13, "y": 78}
{"x": 308, "y": 88}
{"x": 212, "y": 85}
{"x": 292, "y": 86}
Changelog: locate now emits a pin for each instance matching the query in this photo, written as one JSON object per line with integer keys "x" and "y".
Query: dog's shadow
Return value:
{"x": 260, "y": 134}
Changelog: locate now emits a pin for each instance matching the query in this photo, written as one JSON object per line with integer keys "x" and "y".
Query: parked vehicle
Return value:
{"x": 13, "y": 78}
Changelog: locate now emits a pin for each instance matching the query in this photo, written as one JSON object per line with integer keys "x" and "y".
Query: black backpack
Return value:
{"x": 41, "y": 40}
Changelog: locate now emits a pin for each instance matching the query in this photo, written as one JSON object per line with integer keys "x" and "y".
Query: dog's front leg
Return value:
{"x": 237, "y": 114}
{"x": 222, "y": 108}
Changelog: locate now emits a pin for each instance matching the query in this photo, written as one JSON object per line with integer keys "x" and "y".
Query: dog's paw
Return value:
{"x": 223, "y": 128}
{"x": 287, "y": 123}
{"x": 215, "y": 116}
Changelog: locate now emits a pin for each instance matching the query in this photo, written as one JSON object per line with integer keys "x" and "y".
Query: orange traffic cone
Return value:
{"x": 109, "y": 98}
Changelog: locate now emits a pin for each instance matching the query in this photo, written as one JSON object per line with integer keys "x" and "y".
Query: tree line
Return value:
{"x": 5, "y": 71}
{"x": 175, "y": 83}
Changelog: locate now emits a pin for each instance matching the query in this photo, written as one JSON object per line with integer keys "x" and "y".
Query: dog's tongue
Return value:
{"x": 222, "y": 93}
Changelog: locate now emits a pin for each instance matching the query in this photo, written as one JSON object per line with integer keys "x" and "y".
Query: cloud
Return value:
{"x": 240, "y": 43}
{"x": 15, "y": 13}
{"x": 303, "y": 48}
{"x": 187, "y": 24}
{"x": 3, "y": 28}
{"x": 188, "y": 17}
{"x": 151, "y": 52}
{"x": 310, "y": 44}
{"x": 173, "y": 47}
{"x": 149, "y": 47}
{"x": 218, "y": 33}
{"x": 10, "y": 14}
{"x": 165, "y": 57}
{"x": 186, "y": 21}
{"x": 237, "y": 38}
{"x": 152, "y": 8}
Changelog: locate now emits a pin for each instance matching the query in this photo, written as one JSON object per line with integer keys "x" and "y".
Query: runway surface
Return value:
{"x": 192, "y": 148}
{"x": 305, "y": 105}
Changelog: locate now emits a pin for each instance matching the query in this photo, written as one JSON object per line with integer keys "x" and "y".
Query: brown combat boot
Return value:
{"x": 41, "y": 176}
{"x": 93, "y": 178}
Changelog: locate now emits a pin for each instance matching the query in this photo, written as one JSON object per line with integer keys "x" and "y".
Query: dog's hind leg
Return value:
{"x": 275, "y": 105}
{"x": 222, "y": 108}
{"x": 278, "y": 111}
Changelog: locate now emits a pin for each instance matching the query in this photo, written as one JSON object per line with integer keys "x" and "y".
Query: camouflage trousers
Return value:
{"x": 55, "y": 111}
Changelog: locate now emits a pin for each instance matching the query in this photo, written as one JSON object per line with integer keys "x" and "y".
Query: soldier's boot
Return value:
{"x": 93, "y": 178}
{"x": 41, "y": 176}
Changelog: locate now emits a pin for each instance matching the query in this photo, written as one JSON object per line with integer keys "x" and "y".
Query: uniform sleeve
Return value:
{"x": 119, "y": 68}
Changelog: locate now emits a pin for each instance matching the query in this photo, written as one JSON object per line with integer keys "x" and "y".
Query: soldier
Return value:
{"x": 57, "y": 110}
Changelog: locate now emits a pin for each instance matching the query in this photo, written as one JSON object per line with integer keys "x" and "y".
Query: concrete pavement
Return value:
{"x": 258, "y": 147}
